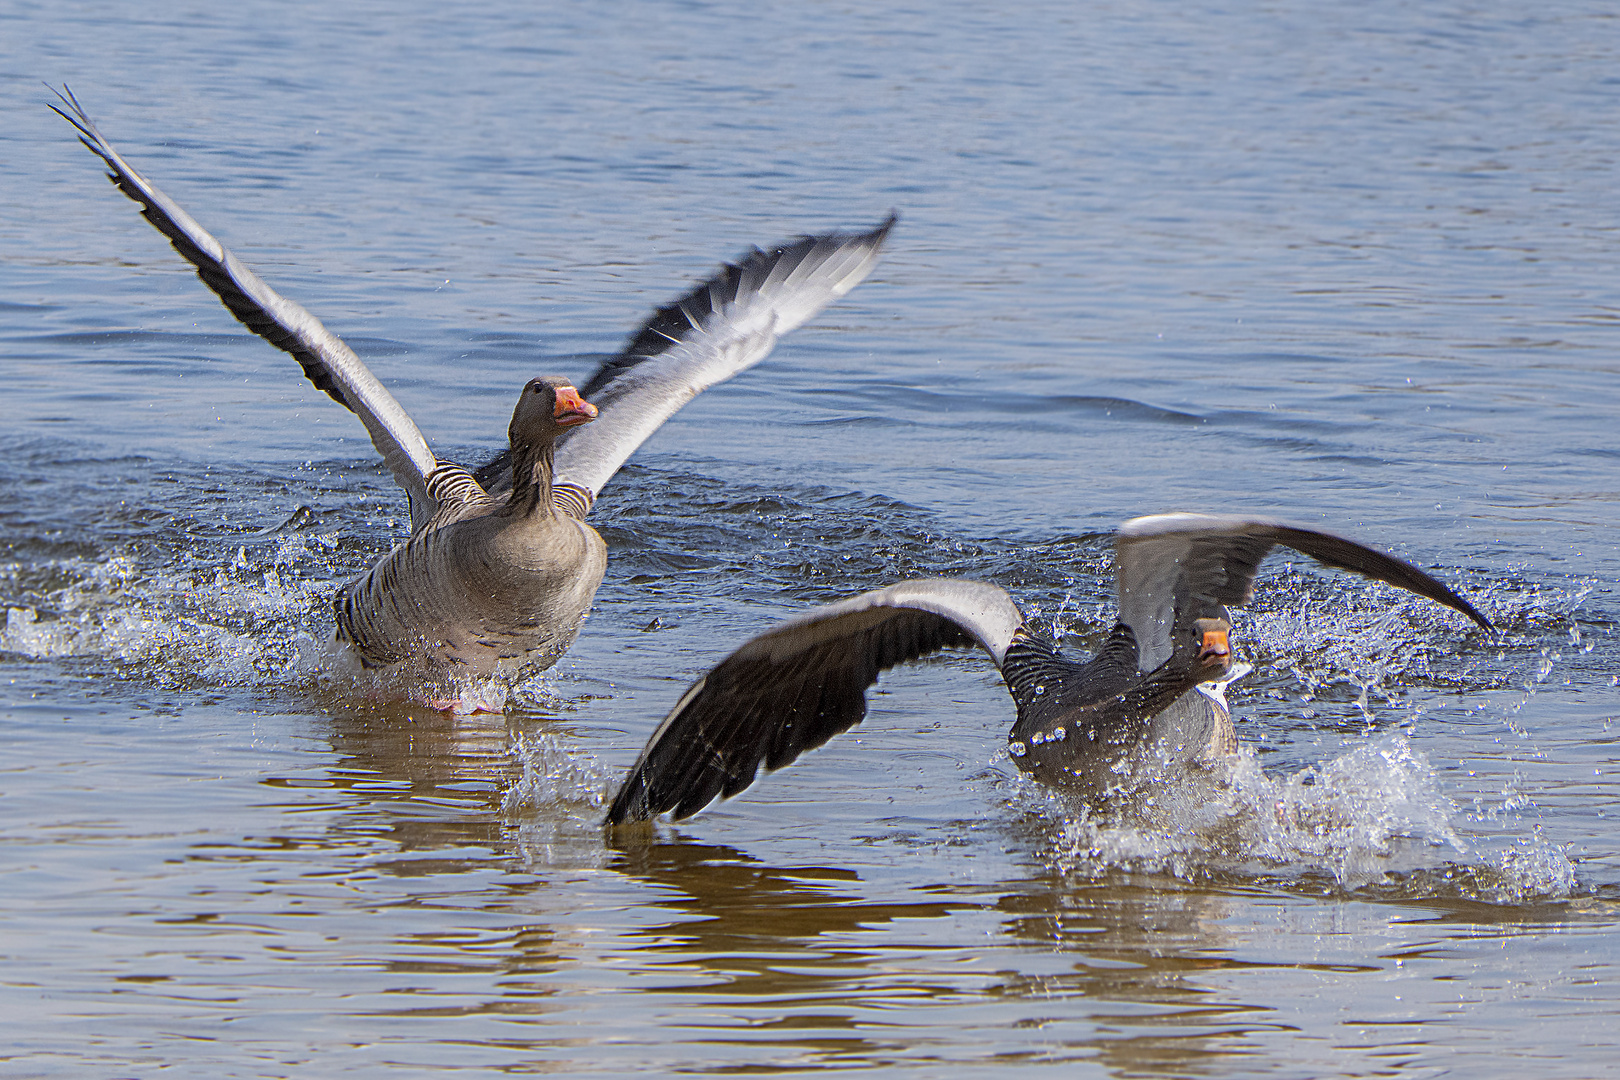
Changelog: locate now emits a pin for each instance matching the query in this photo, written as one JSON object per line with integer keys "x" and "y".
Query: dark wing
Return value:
{"x": 330, "y": 364}
{"x": 1191, "y": 565}
{"x": 800, "y": 683}
{"x": 722, "y": 327}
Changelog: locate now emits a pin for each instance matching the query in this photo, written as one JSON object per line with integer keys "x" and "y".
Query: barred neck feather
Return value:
{"x": 531, "y": 481}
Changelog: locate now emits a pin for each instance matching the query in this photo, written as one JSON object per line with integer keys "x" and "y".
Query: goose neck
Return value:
{"x": 531, "y": 480}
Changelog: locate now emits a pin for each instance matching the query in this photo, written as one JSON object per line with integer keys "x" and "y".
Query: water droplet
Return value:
{"x": 1058, "y": 734}
{"x": 1039, "y": 690}
{"x": 1016, "y": 749}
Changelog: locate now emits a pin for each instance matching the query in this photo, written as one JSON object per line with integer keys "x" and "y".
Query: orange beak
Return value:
{"x": 572, "y": 409}
{"x": 1215, "y": 645}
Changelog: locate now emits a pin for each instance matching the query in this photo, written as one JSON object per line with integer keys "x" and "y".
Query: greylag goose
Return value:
{"x": 500, "y": 568}
{"x": 1150, "y": 699}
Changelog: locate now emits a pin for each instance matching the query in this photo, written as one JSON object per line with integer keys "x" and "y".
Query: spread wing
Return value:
{"x": 1191, "y": 565}
{"x": 722, "y": 327}
{"x": 800, "y": 683}
{"x": 330, "y": 364}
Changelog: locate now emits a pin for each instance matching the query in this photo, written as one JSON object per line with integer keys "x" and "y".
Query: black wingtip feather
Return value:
{"x": 669, "y": 325}
{"x": 1350, "y": 555}
{"x": 214, "y": 275}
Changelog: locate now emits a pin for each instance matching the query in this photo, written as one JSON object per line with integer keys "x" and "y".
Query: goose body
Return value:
{"x": 1151, "y": 701}
{"x": 493, "y": 582}
{"x": 482, "y": 595}
{"x": 501, "y": 568}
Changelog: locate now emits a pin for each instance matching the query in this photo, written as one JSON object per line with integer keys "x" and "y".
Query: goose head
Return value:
{"x": 547, "y": 407}
{"x": 1210, "y": 637}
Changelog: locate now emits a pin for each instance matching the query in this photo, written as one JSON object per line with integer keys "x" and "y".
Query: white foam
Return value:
{"x": 555, "y": 808}
{"x": 1377, "y": 815}
{"x": 263, "y": 620}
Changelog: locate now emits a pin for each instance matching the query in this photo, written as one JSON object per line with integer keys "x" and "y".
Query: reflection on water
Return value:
{"x": 500, "y": 903}
{"x": 807, "y": 958}
{"x": 828, "y": 966}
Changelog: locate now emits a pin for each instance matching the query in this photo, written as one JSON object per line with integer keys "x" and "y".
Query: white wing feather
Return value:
{"x": 982, "y": 609}
{"x": 725, "y": 326}
{"x": 330, "y": 364}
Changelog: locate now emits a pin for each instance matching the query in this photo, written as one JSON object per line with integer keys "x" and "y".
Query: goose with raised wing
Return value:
{"x": 1150, "y": 701}
{"x": 501, "y": 568}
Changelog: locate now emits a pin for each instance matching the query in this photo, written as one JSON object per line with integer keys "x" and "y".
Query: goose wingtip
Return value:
{"x": 1481, "y": 618}
{"x": 630, "y": 803}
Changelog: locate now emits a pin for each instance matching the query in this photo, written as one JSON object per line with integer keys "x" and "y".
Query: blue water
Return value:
{"x": 1354, "y": 266}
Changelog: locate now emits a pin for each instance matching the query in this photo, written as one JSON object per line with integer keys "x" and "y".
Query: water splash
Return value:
{"x": 554, "y": 810}
{"x": 1375, "y": 817}
{"x": 1360, "y": 816}
{"x": 170, "y": 627}
{"x": 1532, "y": 868}
{"x": 556, "y": 772}
{"x": 259, "y": 620}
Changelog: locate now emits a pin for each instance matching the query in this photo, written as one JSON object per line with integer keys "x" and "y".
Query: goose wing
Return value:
{"x": 800, "y": 683}
{"x": 722, "y": 327}
{"x": 1185, "y": 566}
{"x": 330, "y": 364}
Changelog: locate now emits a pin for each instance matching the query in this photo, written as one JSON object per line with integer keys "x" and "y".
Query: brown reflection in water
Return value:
{"x": 729, "y": 961}
{"x": 748, "y": 909}
{"x": 1107, "y": 971}
{"x": 1140, "y": 940}
{"x": 798, "y": 961}
{"x": 425, "y": 780}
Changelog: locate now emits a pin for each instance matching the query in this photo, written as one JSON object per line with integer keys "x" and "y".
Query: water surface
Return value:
{"x": 1354, "y": 267}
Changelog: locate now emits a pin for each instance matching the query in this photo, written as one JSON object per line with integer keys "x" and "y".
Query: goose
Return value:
{"x": 501, "y": 567}
{"x": 1152, "y": 699}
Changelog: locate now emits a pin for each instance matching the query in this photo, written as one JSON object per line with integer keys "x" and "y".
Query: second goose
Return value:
{"x": 1149, "y": 701}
